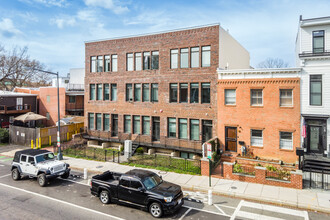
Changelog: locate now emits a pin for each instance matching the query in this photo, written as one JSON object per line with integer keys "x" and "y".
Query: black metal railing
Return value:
{"x": 316, "y": 180}
{"x": 313, "y": 54}
{"x": 279, "y": 175}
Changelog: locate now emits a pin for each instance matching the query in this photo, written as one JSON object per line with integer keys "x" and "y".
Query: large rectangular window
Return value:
{"x": 194, "y": 92}
{"x": 106, "y": 92}
{"x": 136, "y": 124}
{"x": 256, "y": 97}
{"x": 184, "y": 54}
{"x": 127, "y": 124}
{"x": 154, "y": 92}
{"x": 137, "y": 92}
{"x": 145, "y": 92}
{"x": 154, "y": 60}
{"x": 183, "y": 92}
{"x": 171, "y": 127}
{"x": 72, "y": 99}
{"x": 114, "y": 125}
{"x": 113, "y": 92}
{"x": 256, "y": 138}
{"x": 206, "y": 93}
{"x": 315, "y": 90}
{"x": 99, "y": 63}
{"x": 146, "y": 125}
{"x": 194, "y": 56}
{"x": 129, "y": 93}
{"x": 129, "y": 61}
{"x": 183, "y": 128}
{"x": 99, "y": 92}
{"x": 107, "y": 63}
{"x": 106, "y": 122}
{"x": 138, "y": 62}
{"x": 194, "y": 129}
{"x": 93, "y": 64}
{"x": 98, "y": 121}
{"x": 174, "y": 58}
{"x": 92, "y": 92}
{"x": 91, "y": 121}
{"x": 318, "y": 41}
{"x": 146, "y": 60}
{"x": 206, "y": 56}
{"x": 173, "y": 92}
{"x": 286, "y": 140}
{"x": 114, "y": 63}
{"x": 230, "y": 96}
{"x": 286, "y": 97}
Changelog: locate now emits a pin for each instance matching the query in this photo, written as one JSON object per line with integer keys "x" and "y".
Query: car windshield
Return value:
{"x": 152, "y": 181}
{"x": 44, "y": 157}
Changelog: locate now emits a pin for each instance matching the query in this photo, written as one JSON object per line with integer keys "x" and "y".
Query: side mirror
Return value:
{"x": 33, "y": 163}
{"x": 141, "y": 189}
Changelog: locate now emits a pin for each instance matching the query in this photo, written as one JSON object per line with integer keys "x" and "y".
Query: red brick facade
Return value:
{"x": 270, "y": 117}
{"x": 163, "y": 76}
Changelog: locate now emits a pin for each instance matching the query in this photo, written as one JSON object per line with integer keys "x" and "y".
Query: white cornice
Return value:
{"x": 258, "y": 71}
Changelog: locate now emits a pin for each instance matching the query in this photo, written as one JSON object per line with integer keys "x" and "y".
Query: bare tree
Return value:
{"x": 273, "y": 63}
{"x": 17, "y": 69}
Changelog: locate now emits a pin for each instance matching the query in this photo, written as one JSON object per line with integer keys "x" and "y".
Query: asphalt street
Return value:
{"x": 71, "y": 199}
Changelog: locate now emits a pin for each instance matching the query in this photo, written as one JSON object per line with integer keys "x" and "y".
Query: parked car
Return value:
{"x": 141, "y": 188}
{"x": 38, "y": 163}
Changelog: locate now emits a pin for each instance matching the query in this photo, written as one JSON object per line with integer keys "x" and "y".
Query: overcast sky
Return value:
{"x": 55, "y": 30}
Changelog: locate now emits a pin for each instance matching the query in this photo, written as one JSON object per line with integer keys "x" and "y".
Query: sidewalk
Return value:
{"x": 315, "y": 200}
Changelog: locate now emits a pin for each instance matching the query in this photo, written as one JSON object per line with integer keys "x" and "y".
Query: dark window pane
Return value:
{"x": 137, "y": 92}
{"x": 135, "y": 184}
{"x": 172, "y": 127}
{"x": 114, "y": 125}
{"x": 146, "y": 125}
{"x": 106, "y": 92}
{"x": 183, "y": 92}
{"x": 206, "y": 93}
{"x": 99, "y": 121}
{"x": 154, "y": 60}
{"x": 316, "y": 90}
{"x": 146, "y": 93}
{"x": 154, "y": 92}
{"x": 146, "y": 60}
{"x": 194, "y": 129}
{"x": 113, "y": 92}
{"x": 106, "y": 122}
{"x": 127, "y": 124}
{"x": 91, "y": 121}
{"x": 92, "y": 91}
{"x": 194, "y": 90}
{"x": 136, "y": 124}
{"x": 107, "y": 63}
{"x": 99, "y": 63}
{"x": 173, "y": 92}
{"x": 183, "y": 128}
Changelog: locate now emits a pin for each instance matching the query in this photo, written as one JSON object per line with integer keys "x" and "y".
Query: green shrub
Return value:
{"x": 215, "y": 156}
{"x": 237, "y": 168}
{"x": 4, "y": 135}
{"x": 121, "y": 148}
{"x": 259, "y": 165}
{"x": 139, "y": 150}
{"x": 271, "y": 168}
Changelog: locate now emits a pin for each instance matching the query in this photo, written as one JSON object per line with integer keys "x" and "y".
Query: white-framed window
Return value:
{"x": 184, "y": 54}
{"x": 174, "y": 58}
{"x": 107, "y": 63}
{"x": 206, "y": 56}
{"x": 129, "y": 61}
{"x": 99, "y": 63}
{"x": 194, "y": 55}
{"x": 256, "y": 97}
{"x": 286, "y": 99}
{"x": 230, "y": 96}
{"x": 114, "y": 63}
{"x": 138, "y": 61}
{"x": 93, "y": 64}
{"x": 286, "y": 140}
{"x": 257, "y": 138}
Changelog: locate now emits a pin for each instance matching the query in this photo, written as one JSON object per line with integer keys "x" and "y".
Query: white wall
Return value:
{"x": 77, "y": 76}
{"x": 307, "y": 37}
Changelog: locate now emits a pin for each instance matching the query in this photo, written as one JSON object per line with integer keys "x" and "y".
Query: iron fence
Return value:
{"x": 316, "y": 180}
{"x": 82, "y": 151}
{"x": 187, "y": 165}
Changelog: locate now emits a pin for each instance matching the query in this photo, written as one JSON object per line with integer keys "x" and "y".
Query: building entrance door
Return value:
{"x": 155, "y": 128}
{"x": 231, "y": 139}
{"x": 315, "y": 134}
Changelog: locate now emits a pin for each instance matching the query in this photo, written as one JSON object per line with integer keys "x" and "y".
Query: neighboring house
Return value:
{"x": 313, "y": 56}
{"x": 260, "y": 110}
{"x": 13, "y": 104}
{"x": 158, "y": 90}
{"x": 71, "y": 97}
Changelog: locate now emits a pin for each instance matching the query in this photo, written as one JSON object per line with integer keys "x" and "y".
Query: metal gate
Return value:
{"x": 316, "y": 180}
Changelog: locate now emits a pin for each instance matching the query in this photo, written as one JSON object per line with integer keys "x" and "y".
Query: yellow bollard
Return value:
{"x": 76, "y": 132}
{"x": 67, "y": 136}
{"x": 50, "y": 140}
{"x": 31, "y": 144}
{"x": 40, "y": 143}
{"x": 37, "y": 144}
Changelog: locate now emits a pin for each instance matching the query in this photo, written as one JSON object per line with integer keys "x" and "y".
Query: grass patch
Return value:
{"x": 90, "y": 153}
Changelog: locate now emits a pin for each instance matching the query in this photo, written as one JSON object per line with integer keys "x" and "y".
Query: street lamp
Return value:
{"x": 59, "y": 155}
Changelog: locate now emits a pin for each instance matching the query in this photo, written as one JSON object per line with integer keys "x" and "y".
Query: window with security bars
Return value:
{"x": 230, "y": 96}
{"x": 286, "y": 97}
{"x": 256, "y": 97}
{"x": 286, "y": 140}
{"x": 256, "y": 138}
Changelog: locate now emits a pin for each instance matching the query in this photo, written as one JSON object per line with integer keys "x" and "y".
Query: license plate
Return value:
{"x": 61, "y": 173}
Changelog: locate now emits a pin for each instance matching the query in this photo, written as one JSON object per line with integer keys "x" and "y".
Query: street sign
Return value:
{"x": 209, "y": 150}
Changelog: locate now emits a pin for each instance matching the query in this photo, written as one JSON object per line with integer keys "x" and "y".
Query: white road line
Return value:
{"x": 226, "y": 206}
{"x": 203, "y": 210}
{"x": 76, "y": 182}
{"x": 275, "y": 209}
{"x": 60, "y": 201}
{"x": 185, "y": 214}
{"x": 306, "y": 215}
{"x": 251, "y": 215}
{"x": 5, "y": 175}
{"x": 220, "y": 209}
{"x": 237, "y": 210}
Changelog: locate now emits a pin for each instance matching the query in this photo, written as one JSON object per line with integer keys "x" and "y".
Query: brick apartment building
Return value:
{"x": 158, "y": 90}
{"x": 260, "y": 110}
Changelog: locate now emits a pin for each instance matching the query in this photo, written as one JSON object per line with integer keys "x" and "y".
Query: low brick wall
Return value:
{"x": 259, "y": 177}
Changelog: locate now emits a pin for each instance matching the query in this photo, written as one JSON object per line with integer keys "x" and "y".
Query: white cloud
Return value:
{"x": 108, "y": 4}
{"x": 48, "y": 3}
{"x": 7, "y": 28}
{"x": 28, "y": 16}
{"x": 62, "y": 22}
{"x": 87, "y": 15}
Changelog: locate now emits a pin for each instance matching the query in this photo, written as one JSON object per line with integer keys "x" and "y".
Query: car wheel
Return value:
{"x": 65, "y": 175}
{"x": 15, "y": 174}
{"x": 155, "y": 210}
{"x": 105, "y": 197}
{"x": 42, "y": 180}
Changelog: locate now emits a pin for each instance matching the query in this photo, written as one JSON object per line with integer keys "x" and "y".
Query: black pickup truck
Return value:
{"x": 140, "y": 188}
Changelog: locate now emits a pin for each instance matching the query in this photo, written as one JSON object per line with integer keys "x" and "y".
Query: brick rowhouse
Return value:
{"x": 187, "y": 58}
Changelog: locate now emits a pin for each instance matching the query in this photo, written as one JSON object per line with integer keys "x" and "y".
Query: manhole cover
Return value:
{"x": 99, "y": 166}
{"x": 233, "y": 187}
